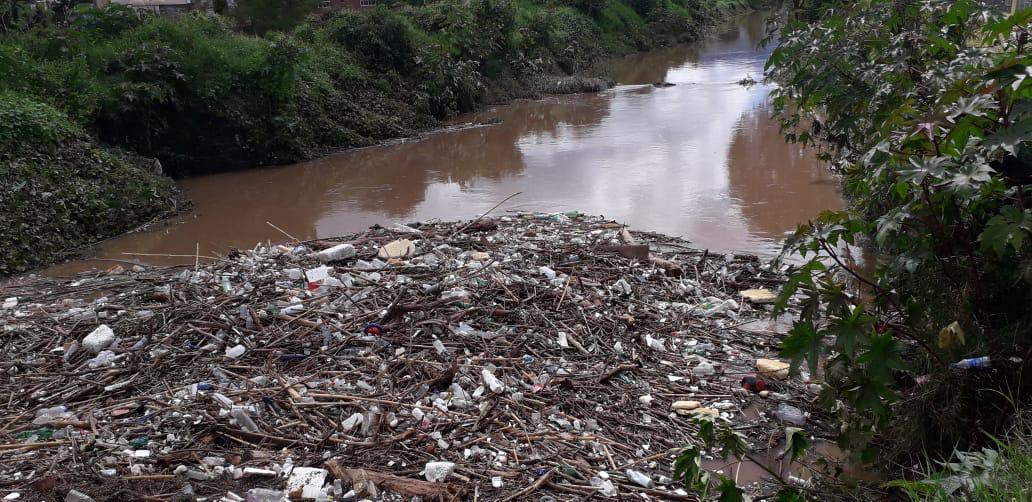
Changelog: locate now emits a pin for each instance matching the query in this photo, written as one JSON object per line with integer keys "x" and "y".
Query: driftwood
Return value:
{"x": 404, "y": 486}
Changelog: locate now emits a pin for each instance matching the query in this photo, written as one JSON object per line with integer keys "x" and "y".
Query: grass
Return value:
{"x": 1002, "y": 473}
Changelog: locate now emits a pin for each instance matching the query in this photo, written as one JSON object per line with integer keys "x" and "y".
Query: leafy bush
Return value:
{"x": 382, "y": 38}
{"x": 108, "y": 22}
{"x": 61, "y": 191}
{"x": 925, "y": 109}
{"x": 26, "y": 124}
{"x": 262, "y": 16}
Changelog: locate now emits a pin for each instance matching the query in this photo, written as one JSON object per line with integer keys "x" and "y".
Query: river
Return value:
{"x": 701, "y": 159}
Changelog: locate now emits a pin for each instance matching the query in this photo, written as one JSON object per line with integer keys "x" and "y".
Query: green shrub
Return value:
{"x": 925, "y": 109}
{"x": 382, "y": 38}
{"x": 61, "y": 191}
{"x": 26, "y": 124}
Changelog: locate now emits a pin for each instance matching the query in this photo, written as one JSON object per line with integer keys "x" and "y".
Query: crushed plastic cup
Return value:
{"x": 103, "y": 359}
{"x": 547, "y": 272}
{"x": 265, "y": 495}
{"x": 437, "y": 472}
{"x": 235, "y": 351}
{"x": 77, "y": 496}
{"x": 704, "y": 369}
{"x": 351, "y": 422}
{"x": 605, "y": 486}
{"x": 622, "y": 287}
{"x": 99, "y": 339}
{"x": 49, "y": 415}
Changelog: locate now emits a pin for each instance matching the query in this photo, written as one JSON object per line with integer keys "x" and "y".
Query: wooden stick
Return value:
{"x": 478, "y": 218}
{"x": 284, "y": 232}
{"x": 533, "y": 486}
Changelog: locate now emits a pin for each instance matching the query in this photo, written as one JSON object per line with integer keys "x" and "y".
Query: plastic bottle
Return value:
{"x": 790, "y": 414}
{"x": 639, "y": 477}
{"x": 338, "y": 252}
{"x": 265, "y": 495}
{"x": 492, "y": 382}
{"x": 975, "y": 362}
{"x": 77, "y": 496}
{"x": 243, "y": 420}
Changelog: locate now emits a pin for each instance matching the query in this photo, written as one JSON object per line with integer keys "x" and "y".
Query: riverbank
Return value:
{"x": 518, "y": 356}
{"x": 201, "y": 98}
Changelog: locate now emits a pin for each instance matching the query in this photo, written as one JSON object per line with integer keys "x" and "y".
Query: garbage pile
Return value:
{"x": 507, "y": 358}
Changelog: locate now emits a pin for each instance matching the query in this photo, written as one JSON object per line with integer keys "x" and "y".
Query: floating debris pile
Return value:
{"x": 512, "y": 357}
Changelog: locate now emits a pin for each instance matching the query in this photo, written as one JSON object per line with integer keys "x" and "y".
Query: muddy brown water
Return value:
{"x": 701, "y": 159}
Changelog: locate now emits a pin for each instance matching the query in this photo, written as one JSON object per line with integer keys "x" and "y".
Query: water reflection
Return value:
{"x": 700, "y": 159}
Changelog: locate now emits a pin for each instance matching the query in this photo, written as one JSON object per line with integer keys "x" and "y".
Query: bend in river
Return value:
{"x": 701, "y": 159}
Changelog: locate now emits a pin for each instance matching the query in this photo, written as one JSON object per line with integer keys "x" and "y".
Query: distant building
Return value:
{"x": 169, "y": 8}
{"x": 349, "y": 4}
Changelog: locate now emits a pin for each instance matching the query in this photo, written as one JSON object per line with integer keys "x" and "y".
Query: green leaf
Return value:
{"x": 1004, "y": 26}
{"x": 803, "y": 275}
{"x": 802, "y": 343}
{"x": 888, "y": 225}
{"x": 796, "y": 443}
{"x": 871, "y": 395}
{"x": 1009, "y": 138}
{"x": 971, "y": 175}
{"x": 1010, "y": 228}
{"x": 733, "y": 443}
{"x": 924, "y": 167}
{"x": 707, "y": 431}
{"x": 788, "y": 494}
{"x": 974, "y": 106}
{"x": 882, "y": 357}
{"x": 851, "y": 331}
{"x": 688, "y": 468}
{"x": 729, "y": 491}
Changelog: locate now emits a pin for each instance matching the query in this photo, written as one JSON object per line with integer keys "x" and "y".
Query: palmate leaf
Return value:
{"x": 956, "y": 140}
{"x": 1008, "y": 138}
{"x": 890, "y": 223}
{"x": 851, "y": 331}
{"x": 971, "y": 175}
{"x": 924, "y": 167}
{"x": 881, "y": 358}
{"x": 1004, "y": 26}
{"x": 802, "y": 343}
{"x": 871, "y": 395}
{"x": 1010, "y": 228}
{"x": 729, "y": 491}
{"x": 802, "y": 276}
{"x": 975, "y": 106}
{"x": 707, "y": 430}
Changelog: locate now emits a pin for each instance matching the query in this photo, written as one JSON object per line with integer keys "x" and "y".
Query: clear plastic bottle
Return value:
{"x": 975, "y": 362}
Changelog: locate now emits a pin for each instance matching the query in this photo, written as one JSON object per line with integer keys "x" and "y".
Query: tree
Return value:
{"x": 261, "y": 16}
{"x": 925, "y": 109}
